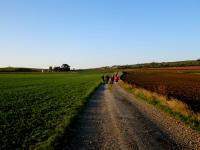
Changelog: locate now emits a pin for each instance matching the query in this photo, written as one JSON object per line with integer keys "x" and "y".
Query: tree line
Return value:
{"x": 62, "y": 68}
{"x": 162, "y": 64}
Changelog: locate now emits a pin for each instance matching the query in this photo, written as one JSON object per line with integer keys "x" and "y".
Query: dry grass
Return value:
{"x": 180, "y": 107}
{"x": 175, "y": 106}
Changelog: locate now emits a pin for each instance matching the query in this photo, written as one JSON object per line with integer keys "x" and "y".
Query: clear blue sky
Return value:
{"x": 94, "y": 33}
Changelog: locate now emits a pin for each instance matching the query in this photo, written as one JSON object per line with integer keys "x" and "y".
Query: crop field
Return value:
{"x": 35, "y": 109}
{"x": 178, "y": 84}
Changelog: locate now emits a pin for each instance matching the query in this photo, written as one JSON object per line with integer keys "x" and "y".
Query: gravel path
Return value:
{"x": 117, "y": 120}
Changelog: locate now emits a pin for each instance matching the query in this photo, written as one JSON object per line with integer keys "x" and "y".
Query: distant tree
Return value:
{"x": 57, "y": 69}
{"x": 65, "y": 67}
{"x": 198, "y": 59}
{"x": 50, "y": 69}
{"x": 153, "y": 64}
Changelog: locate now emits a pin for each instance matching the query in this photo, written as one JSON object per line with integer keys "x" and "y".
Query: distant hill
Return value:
{"x": 13, "y": 69}
{"x": 160, "y": 65}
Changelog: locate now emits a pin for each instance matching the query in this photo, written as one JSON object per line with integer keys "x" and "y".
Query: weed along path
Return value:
{"x": 114, "y": 119}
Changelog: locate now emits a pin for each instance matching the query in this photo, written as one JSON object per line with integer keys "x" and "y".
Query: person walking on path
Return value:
{"x": 103, "y": 79}
{"x": 107, "y": 79}
{"x": 116, "y": 78}
{"x": 112, "y": 79}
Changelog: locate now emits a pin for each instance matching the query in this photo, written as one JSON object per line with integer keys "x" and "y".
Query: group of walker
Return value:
{"x": 110, "y": 80}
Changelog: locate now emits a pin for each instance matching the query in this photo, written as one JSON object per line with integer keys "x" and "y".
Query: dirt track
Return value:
{"x": 116, "y": 120}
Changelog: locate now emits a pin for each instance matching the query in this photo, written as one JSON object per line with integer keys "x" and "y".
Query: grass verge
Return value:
{"x": 64, "y": 131}
{"x": 174, "y": 107}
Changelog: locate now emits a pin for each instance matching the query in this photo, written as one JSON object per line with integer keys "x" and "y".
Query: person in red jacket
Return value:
{"x": 117, "y": 78}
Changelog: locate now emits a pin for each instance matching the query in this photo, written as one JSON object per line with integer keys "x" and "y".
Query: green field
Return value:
{"x": 35, "y": 109}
